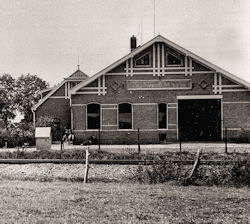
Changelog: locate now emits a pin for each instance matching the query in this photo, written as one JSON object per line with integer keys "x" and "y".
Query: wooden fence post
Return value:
{"x": 195, "y": 166}
{"x": 225, "y": 139}
{"x": 86, "y": 166}
{"x": 139, "y": 146}
{"x": 180, "y": 140}
{"x": 99, "y": 140}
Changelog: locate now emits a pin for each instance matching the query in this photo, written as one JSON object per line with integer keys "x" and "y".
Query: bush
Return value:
{"x": 236, "y": 173}
{"x": 241, "y": 171}
{"x": 17, "y": 135}
{"x": 160, "y": 173}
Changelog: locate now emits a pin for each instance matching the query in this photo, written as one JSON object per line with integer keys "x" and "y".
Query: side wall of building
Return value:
{"x": 56, "y": 106}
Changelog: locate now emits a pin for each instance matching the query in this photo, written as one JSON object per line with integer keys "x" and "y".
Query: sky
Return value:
{"x": 44, "y": 38}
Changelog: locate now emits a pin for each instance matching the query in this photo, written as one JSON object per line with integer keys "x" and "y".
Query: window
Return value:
{"x": 162, "y": 116}
{"x": 93, "y": 116}
{"x": 143, "y": 60}
{"x": 173, "y": 60}
{"x": 125, "y": 116}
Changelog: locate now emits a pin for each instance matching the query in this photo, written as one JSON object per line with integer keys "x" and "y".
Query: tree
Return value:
{"x": 7, "y": 98}
{"x": 28, "y": 89}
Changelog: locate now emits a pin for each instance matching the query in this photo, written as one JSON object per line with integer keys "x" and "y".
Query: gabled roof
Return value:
{"x": 78, "y": 75}
{"x": 160, "y": 38}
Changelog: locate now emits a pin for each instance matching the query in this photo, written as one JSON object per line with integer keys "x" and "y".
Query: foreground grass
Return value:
{"x": 98, "y": 202}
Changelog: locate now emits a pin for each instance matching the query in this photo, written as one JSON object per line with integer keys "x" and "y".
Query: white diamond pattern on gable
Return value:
{"x": 115, "y": 86}
{"x": 203, "y": 84}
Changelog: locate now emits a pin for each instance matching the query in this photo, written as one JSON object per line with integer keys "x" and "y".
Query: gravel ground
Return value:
{"x": 43, "y": 172}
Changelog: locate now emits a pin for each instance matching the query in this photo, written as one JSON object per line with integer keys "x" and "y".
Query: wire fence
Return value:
{"x": 228, "y": 144}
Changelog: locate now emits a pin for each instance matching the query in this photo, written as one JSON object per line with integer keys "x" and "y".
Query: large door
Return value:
{"x": 199, "y": 119}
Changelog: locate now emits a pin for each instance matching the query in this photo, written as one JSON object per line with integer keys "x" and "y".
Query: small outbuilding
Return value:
{"x": 43, "y": 138}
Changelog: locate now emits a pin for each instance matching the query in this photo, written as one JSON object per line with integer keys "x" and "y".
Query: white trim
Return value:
{"x": 165, "y": 72}
{"x": 236, "y": 102}
{"x": 150, "y": 64}
{"x": 106, "y": 125}
{"x": 158, "y": 59}
{"x": 236, "y": 129}
{"x": 58, "y": 97}
{"x": 233, "y": 86}
{"x": 154, "y": 59}
{"x": 186, "y": 70}
{"x": 99, "y": 85}
{"x": 93, "y": 88}
{"x": 109, "y": 108}
{"x": 110, "y": 104}
{"x": 234, "y": 90}
{"x": 215, "y": 83}
{"x": 78, "y": 105}
{"x": 91, "y": 93}
{"x": 146, "y": 104}
{"x": 220, "y": 83}
{"x": 190, "y": 66}
{"x": 165, "y": 69}
{"x": 199, "y": 97}
{"x": 126, "y": 69}
{"x": 131, "y": 66}
{"x": 162, "y": 59}
{"x": 65, "y": 91}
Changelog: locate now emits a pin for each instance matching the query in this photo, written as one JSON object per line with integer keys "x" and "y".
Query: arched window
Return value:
{"x": 125, "y": 116}
{"x": 162, "y": 116}
{"x": 93, "y": 116}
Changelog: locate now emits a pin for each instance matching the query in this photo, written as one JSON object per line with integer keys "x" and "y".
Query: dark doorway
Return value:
{"x": 199, "y": 119}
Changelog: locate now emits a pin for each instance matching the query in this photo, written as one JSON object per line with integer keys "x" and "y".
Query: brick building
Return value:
{"x": 164, "y": 90}
{"x": 55, "y": 102}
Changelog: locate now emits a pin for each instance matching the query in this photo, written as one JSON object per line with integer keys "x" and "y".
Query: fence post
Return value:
{"x": 225, "y": 139}
{"x": 99, "y": 140}
{"x": 138, "y": 141}
{"x": 86, "y": 166}
{"x": 180, "y": 140}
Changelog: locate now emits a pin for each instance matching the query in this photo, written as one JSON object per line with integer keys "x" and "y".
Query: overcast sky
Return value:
{"x": 44, "y": 37}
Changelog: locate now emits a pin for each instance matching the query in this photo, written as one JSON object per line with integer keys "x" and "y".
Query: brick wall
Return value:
{"x": 56, "y": 108}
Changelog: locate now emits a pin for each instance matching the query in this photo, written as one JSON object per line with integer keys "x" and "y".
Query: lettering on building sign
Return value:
{"x": 167, "y": 84}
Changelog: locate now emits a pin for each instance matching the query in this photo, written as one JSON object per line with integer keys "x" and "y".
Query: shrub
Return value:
{"x": 236, "y": 173}
{"x": 17, "y": 134}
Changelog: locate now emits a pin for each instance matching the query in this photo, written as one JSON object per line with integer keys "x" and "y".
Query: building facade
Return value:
{"x": 55, "y": 102}
{"x": 165, "y": 91}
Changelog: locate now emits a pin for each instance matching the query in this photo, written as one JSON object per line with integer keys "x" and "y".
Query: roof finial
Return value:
{"x": 154, "y": 18}
{"x": 78, "y": 65}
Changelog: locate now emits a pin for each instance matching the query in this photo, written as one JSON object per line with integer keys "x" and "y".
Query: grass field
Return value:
{"x": 99, "y": 202}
